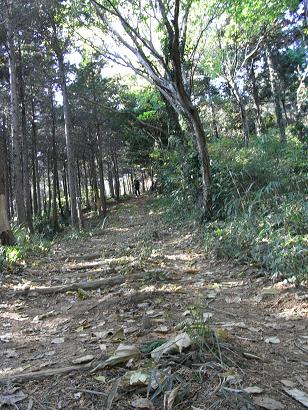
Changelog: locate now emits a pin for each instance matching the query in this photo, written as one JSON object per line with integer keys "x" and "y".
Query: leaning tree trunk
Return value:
{"x": 6, "y": 235}
{"x": 276, "y": 95}
{"x": 74, "y": 203}
{"x": 15, "y": 123}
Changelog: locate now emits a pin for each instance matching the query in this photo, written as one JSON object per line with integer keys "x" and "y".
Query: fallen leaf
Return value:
{"x": 253, "y": 390}
{"x": 84, "y": 359}
{"x": 169, "y": 398}
{"x": 11, "y": 353}
{"x": 287, "y": 383}
{"x": 298, "y": 395}
{"x": 58, "y": 340}
{"x": 142, "y": 404}
{"x": 100, "y": 378}
{"x": 272, "y": 340}
{"x": 236, "y": 299}
{"x": 118, "y": 336}
{"x": 11, "y": 399}
{"x": 267, "y": 403}
{"x": 207, "y": 316}
{"x": 123, "y": 354}
{"x": 179, "y": 342}
{"x": 162, "y": 329}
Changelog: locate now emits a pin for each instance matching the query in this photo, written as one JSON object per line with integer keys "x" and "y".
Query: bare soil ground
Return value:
{"x": 164, "y": 281}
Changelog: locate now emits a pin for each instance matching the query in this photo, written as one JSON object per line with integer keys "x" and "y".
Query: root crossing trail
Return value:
{"x": 137, "y": 281}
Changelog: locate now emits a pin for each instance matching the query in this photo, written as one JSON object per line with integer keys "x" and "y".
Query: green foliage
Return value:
{"x": 258, "y": 199}
{"x": 259, "y": 209}
{"x": 13, "y": 257}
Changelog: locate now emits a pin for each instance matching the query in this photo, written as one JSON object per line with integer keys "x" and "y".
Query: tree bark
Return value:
{"x": 275, "y": 88}
{"x": 74, "y": 203}
{"x": 54, "y": 212}
{"x": 6, "y": 235}
{"x": 256, "y": 101}
{"x": 86, "y": 182}
{"x": 102, "y": 189}
{"x": 110, "y": 179}
{"x": 15, "y": 122}
{"x": 64, "y": 180}
{"x": 25, "y": 147}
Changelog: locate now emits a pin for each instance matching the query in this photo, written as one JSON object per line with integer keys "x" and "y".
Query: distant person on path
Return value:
{"x": 137, "y": 187}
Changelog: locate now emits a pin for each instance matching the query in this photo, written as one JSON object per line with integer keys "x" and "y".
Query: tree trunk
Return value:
{"x": 25, "y": 150}
{"x": 49, "y": 184}
{"x": 64, "y": 180}
{"x": 15, "y": 123}
{"x": 54, "y": 212}
{"x": 241, "y": 104}
{"x": 214, "y": 120}
{"x": 142, "y": 181}
{"x": 116, "y": 177}
{"x": 102, "y": 188}
{"x": 110, "y": 179}
{"x": 6, "y": 235}
{"x": 204, "y": 162}
{"x": 86, "y": 183}
{"x": 256, "y": 101}
{"x": 274, "y": 81}
{"x": 76, "y": 222}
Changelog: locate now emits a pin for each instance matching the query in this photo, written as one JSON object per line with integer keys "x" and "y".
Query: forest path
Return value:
{"x": 166, "y": 280}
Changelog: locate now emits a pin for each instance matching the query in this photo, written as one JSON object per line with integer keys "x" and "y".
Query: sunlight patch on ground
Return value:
{"x": 117, "y": 229}
{"x": 179, "y": 256}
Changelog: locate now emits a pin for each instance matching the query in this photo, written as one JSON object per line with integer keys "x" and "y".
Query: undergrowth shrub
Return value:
{"x": 259, "y": 204}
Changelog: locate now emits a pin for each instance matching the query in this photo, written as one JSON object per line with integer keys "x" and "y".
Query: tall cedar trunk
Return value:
{"x": 123, "y": 183}
{"x": 54, "y": 210}
{"x": 49, "y": 183}
{"x": 76, "y": 222}
{"x": 86, "y": 182}
{"x": 44, "y": 195}
{"x": 64, "y": 180}
{"x": 95, "y": 195}
{"x": 256, "y": 101}
{"x": 102, "y": 188}
{"x": 275, "y": 88}
{"x": 110, "y": 179}
{"x": 15, "y": 123}
{"x": 25, "y": 148}
{"x": 78, "y": 198}
{"x": 116, "y": 177}
{"x": 6, "y": 162}
{"x": 6, "y": 235}
{"x": 35, "y": 167}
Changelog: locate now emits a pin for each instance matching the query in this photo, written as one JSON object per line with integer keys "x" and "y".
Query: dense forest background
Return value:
{"x": 208, "y": 110}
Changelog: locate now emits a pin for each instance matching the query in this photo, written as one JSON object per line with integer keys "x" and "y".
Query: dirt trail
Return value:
{"x": 166, "y": 278}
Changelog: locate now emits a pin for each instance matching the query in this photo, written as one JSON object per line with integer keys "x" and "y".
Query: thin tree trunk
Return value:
{"x": 35, "y": 168}
{"x": 102, "y": 188}
{"x": 274, "y": 82}
{"x": 86, "y": 182}
{"x": 256, "y": 101}
{"x": 116, "y": 177}
{"x": 64, "y": 180}
{"x": 15, "y": 122}
{"x": 6, "y": 235}
{"x": 49, "y": 184}
{"x": 110, "y": 179}
{"x": 6, "y": 162}
{"x": 214, "y": 120}
{"x": 54, "y": 212}
{"x": 76, "y": 222}
{"x": 142, "y": 181}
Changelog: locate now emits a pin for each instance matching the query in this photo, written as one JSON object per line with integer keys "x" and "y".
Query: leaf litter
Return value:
{"x": 167, "y": 372}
